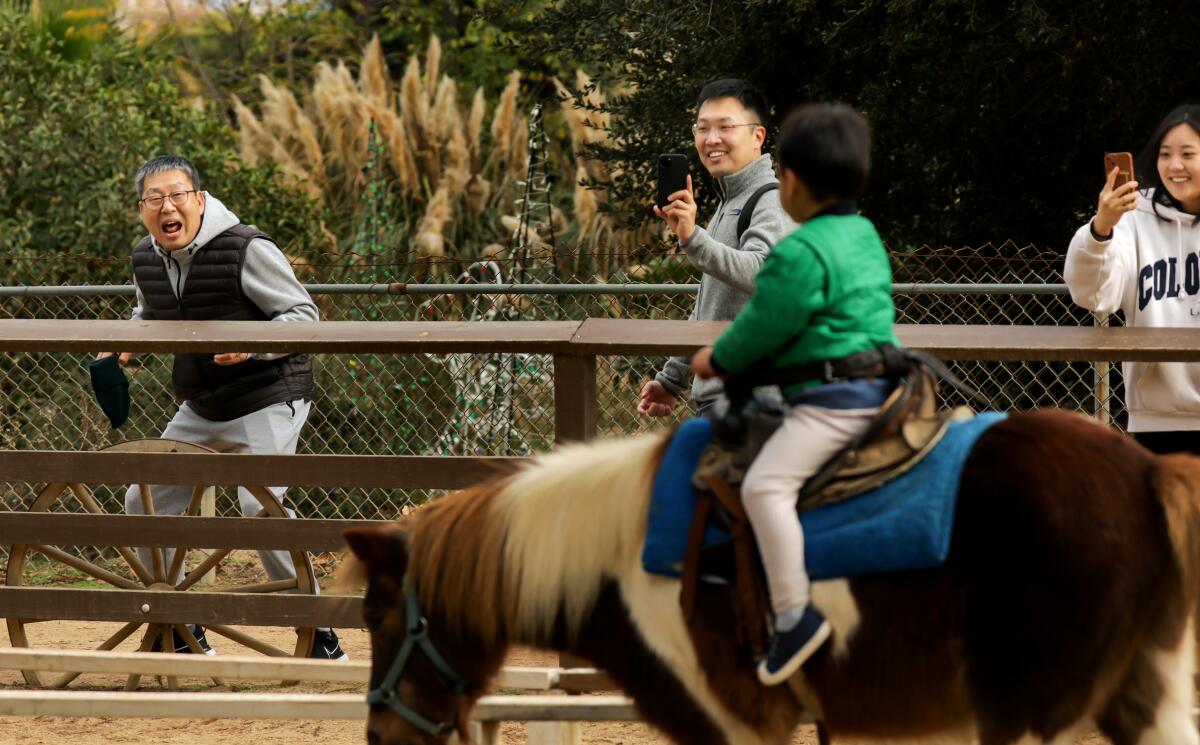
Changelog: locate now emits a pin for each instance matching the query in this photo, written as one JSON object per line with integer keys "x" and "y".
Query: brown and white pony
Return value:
{"x": 1067, "y": 602}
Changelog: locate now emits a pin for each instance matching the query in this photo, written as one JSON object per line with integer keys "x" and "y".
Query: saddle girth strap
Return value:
{"x": 691, "y": 557}
{"x": 750, "y": 584}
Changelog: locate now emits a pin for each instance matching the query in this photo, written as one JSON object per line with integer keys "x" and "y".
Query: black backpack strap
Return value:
{"x": 748, "y": 207}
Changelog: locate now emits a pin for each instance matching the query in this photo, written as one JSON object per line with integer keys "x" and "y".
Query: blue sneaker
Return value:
{"x": 791, "y": 649}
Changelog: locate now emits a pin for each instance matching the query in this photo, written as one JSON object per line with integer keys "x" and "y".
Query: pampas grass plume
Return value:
{"x": 475, "y": 122}
{"x": 373, "y": 78}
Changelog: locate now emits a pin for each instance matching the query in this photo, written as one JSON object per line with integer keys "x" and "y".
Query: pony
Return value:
{"x": 1067, "y": 602}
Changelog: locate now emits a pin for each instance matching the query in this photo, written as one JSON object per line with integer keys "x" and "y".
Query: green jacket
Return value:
{"x": 824, "y": 292}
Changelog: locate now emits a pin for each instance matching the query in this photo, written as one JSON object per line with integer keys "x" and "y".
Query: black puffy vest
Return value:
{"x": 213, "y": 292}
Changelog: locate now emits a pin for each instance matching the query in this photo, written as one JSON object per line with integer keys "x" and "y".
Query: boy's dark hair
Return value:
{"x": 165, "y": 162}
{"x": 746, "y": 94}
{"x": 828, "y": 145}
{"x": 1147, "y": 162}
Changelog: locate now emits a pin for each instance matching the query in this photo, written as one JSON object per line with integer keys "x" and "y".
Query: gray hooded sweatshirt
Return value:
{"x": 729, "y": 265}
{"x": 267, "y": 277}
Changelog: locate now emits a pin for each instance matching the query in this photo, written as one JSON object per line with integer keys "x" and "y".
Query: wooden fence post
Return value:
{"x": 574, "y": 420}
{"x": 574, "y": 398}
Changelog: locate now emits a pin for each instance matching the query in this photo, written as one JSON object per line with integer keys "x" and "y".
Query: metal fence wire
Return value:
{"x": 493, "y": 404}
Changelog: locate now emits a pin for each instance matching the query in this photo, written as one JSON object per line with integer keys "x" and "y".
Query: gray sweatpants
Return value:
{"x": 268, "y": 431}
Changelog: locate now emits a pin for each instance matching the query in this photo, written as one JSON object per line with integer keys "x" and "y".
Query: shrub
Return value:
{"x": 990, "y": 119}
{"x": 73, "y": 131}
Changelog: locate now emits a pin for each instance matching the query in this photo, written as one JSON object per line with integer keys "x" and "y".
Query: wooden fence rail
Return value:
{"x": 243, "y": 667}
{"x": 588, "y": 338}
{"x": 551, "y": 720}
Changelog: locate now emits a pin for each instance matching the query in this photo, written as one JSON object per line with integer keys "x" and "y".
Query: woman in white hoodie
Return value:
{"x": 1140, "y": 254}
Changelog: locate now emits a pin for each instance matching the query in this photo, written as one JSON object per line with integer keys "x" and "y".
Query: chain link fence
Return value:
{"x": 496, "y": 404}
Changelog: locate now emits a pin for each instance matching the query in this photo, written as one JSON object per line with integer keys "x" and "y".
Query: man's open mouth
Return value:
{"x": 172, "y": 227}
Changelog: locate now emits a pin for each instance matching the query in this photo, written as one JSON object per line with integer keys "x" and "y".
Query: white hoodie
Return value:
{"x": 1150, "y": 271}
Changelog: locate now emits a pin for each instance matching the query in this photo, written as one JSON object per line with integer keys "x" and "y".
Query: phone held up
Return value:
{"x": 672, "y": 176}
{"x": 1123, "y": 162}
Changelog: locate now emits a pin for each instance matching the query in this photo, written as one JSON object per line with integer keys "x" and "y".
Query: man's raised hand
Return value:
{"x": 680, "y": 212}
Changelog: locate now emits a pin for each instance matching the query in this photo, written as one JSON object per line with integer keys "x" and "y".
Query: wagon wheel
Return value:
{"x": 125, "y": 570}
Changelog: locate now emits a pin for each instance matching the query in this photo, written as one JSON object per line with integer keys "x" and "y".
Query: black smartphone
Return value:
{"x": 672, "y": 176}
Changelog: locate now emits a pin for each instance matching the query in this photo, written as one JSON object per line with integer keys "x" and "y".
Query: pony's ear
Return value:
{"x": 385, "y": 549}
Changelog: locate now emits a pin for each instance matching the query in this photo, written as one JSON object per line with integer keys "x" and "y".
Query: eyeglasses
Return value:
{"x": 178, "y": 198}
{"x": 702, "y": 130}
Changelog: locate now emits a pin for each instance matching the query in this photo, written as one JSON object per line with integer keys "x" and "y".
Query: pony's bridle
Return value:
{"x": 417, "y": 636}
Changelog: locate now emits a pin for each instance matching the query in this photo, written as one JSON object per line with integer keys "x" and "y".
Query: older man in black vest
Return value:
{"x": 200, "y": 263}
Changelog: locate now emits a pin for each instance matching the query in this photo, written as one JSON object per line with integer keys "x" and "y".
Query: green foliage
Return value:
{"x": 990, "y": 119}
{"x": 483, "y": 40}
{"x": 72, "y": 133}
{"x": 74, "y": 24}
{"x": 224, "y": 51}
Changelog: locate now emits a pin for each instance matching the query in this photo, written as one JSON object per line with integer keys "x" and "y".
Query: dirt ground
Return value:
{"x": 64, "y": 731}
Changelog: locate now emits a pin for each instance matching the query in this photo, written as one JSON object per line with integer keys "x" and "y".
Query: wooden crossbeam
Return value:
{"x": 532, "y": 708}
{"x": 330, "y": 337}
{"x": 594, "y": 336}
{"x": 1002, "y": 343}
{"x": 235, "y": 469}
{"x": 206, "y": 608}
{"x": 81, "y": 529}
{"x": 238, "y": 667}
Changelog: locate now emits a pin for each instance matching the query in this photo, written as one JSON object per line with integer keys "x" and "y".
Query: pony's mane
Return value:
{"x": 500, "y": 559}
{"x": 456, "y": 547}
{"x": 575, "y": 517}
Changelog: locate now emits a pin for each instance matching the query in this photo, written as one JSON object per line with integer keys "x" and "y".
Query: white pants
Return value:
{"x": 269, "y": 431}
{"x": 808, "y": 437}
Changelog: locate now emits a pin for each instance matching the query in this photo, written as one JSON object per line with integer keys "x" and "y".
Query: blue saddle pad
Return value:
{"x": 904, "y": 524}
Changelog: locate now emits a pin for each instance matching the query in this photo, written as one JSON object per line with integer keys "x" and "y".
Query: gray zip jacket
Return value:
{"x": 267, "y": 277}
{"x": 729, "y": 266}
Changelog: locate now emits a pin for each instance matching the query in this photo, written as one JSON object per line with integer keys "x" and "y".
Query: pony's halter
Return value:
{"x": 417, "y": 636}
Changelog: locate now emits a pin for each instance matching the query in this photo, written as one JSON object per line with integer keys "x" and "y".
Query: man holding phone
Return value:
{"x": 729, "y": 133}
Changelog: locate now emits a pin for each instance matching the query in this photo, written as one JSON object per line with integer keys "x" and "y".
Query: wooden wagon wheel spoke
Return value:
{"x": 147, "y": 642}
{"x": 193, "y": 644}
{"x": 247, "y": 640}
{"x": 202, "y": 568}
{"x": 86, "y": 567}
{"x": 192, "y": 510}
{"x": 109, "y": 643}
{"x": 156, "y": 552}
{"x": 183, "y": 567}
{"x": 279, "y": 585}
{"x": 166, "y": 644}
{"x": 89, "y": 503}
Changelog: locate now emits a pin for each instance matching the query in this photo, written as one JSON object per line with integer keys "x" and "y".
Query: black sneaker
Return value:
{"x": 791, "y": 649}
{"x": 326, "y": 647}
{"x": 181, "y": 645}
